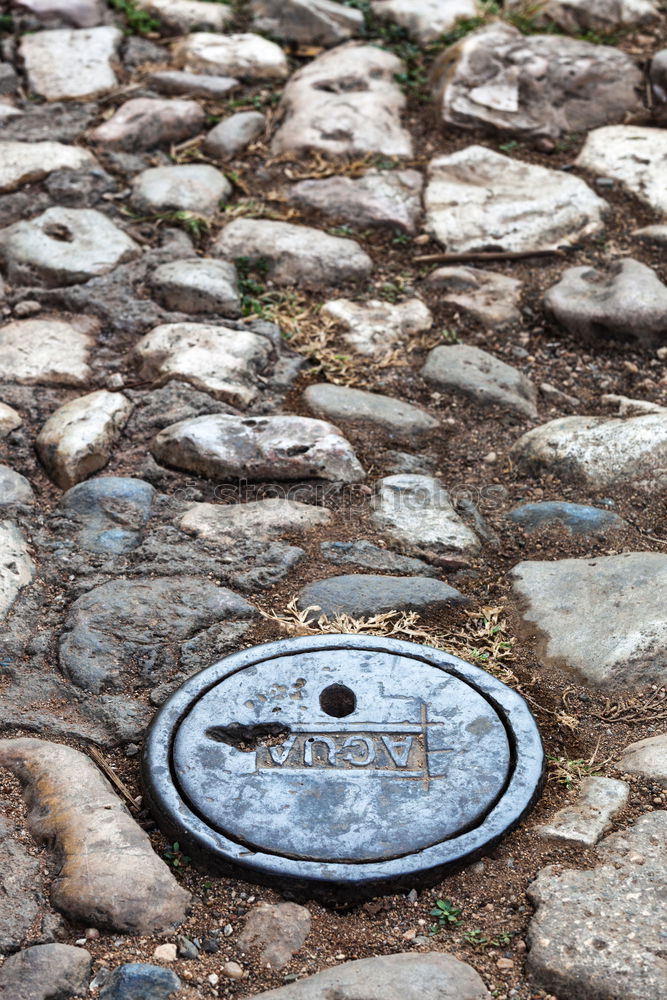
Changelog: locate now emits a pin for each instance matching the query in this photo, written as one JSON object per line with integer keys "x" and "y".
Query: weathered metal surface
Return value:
{"x": 349, "y": 761}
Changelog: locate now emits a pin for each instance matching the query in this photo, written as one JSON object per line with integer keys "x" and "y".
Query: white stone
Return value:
{"x": 417, "y": 512}
{"x": 246, "y": 56}
{"x": 490, "y": 297}
{"x": 636, "y": 157}
{"x": 190, "y": 187}
{"x": 478, "y": 199}
{"x": 646, "y": 757}
{"x": 307, "y": 22}
{"x": 77, "y": 439}
{"x": 599, "y": 451}
{"x": 345, "y": 102}
{"x": 265, "y": 519}
{"x": 165, "y": 953}
{"x": 78, "y": 13}
{"x": 376, "y": 327}
{"x": 14, "y": 488}
{"x": 482, "y": 376}
{"x": 200, "y": 285}
{"x": 233, "y": 134}
{"x": 294, "y": 255}
{"x": 281, "y": 447}
{"x": 605, "y": 17}
{"x": 425, "y": 20}
{"x": 603, "y": 618}
{"x": 16, "y": 567}
{"x": 50, "y": 350}
{"x": 584, "y": 822}
{"x": 71, "y": 64}
{"x": 219, "y": 361}
{"x": 189, "y": 15}
{"x": 64, "y": 246}
{"x": 26, "y": 162}
{"x": 9, "y": 418}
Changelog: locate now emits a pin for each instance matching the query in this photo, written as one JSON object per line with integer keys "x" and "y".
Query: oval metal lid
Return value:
{"x": 341, "y": 758}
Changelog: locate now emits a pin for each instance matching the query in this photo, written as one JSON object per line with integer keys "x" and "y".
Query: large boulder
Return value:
{"x": 634, "y": 156}
{"x": 603, "y": 618}
{"x": 540, "y": 85}
{"x": 600, "y": 452}
{"x": 477, "y": 199}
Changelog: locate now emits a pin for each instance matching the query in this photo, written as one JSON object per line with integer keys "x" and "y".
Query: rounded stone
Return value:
{"x": 341, "y": 763}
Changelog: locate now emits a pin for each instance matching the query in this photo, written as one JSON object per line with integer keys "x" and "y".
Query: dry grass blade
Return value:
{"x": 643, "y": 707}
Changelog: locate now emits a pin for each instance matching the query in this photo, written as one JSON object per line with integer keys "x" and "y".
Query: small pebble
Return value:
{"x": 232, "y": 970}
{"x": 213, "y": 979}
{"x": 165, "y": 953}
{"x": 228, "y": 930}
{"x": 505, "y": 964}
{"x": 27, "y": 308}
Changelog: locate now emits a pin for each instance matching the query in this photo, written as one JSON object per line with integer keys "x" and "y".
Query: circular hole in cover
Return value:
{"x": 338, "y": 700}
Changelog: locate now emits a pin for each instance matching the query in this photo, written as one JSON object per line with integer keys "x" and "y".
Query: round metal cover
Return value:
{"x": 339, "y": 760}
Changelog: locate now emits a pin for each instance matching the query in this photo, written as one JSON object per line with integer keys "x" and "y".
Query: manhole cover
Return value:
{"x": 349, "y": 761}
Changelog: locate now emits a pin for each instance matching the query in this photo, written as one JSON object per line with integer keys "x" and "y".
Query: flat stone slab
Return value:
{"x": 387, "y": 198}
{"x": 16, "y": 566}
{"x": 70, "y": 64}
{"x": 307, "y": 22}
{"x": 576, "y": 517}
{"x": 108, "y": 513}
{"x": 274, "y": 518}
{"x": 362, "y": 596}
{"x": 294, "y": 255}
{"x": 389, "y": 977}
{"x": 634, "y": 156}
{"x": 490, "y": 297}
{"x": 482, "y": 376}
{"x": 27, "y": 162}
{"x": 14, "y": 488}
{"x": 425, "y": 20}
{"x": 179, "y": 83}
{"x": 600, "y": 933}
{"x": 376, "y": 327}
{"x": 64, "y": 246}
{"x": 132, "y": 632}
{"x": 51, "y": 350}
{"x": 598, "y": 801}
{"x": 477, "y": 199}
{"x": 246, "y": 56}
{"x": 345, "y": 102}
{"x": 368, "y": 556}
{"x": 646, "y": 757}
{"x": 347, "y": 722}
{"x": 602, "y": 618}
{"x": 217, "y": 360}
{"x": 341, "y": 404}
{"x": 417, "y": 513}
{"x": 281, "y": 447}
{"x": 199, "y": 285}
{"x": 78, "y": 13}
{"x": 189, "y": 187}
{"x": 624, "y": 301}
{"x": 535, "y": 85}
{"x": 600, "y": 452}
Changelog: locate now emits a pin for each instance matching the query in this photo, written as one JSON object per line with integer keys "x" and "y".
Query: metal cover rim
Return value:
{"x": 175, "y": 816}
